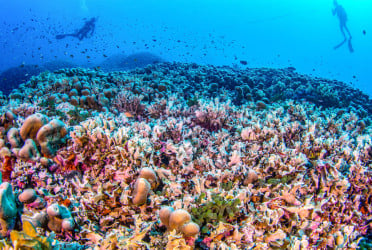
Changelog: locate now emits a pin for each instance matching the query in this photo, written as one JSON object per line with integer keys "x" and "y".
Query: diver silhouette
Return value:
{"x": 86, "y": 31}
{"x": 342, "y": 16}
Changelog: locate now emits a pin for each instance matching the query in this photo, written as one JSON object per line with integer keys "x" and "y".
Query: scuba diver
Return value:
{"x": 342, "y": 16}
{"x": 86, "y": 31}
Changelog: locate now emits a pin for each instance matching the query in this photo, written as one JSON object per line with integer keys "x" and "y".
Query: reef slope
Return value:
{"x": 188, "y": 156}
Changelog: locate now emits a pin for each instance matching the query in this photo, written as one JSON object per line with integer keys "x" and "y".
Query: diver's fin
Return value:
{"x": 64, "y": 35}
{"x": 61, "y": 36}
{"x": 339, "y": 45}
{"x": 350, "y": 46}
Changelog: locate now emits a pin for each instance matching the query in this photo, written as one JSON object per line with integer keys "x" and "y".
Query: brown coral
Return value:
{"x": 51, "y": 136}
{"x": 140, "y": 192}
{"x": 32, "y": 124}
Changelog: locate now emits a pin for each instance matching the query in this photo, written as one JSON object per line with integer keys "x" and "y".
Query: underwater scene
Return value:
{"x": 184, "y": 124}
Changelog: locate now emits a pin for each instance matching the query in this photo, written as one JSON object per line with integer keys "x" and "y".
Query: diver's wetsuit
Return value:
{"x": 342, "y": 17}
{"x": 86, "y": 31}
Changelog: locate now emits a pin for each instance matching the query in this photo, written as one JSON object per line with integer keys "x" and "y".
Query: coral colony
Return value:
{"x": 182, "y": 156}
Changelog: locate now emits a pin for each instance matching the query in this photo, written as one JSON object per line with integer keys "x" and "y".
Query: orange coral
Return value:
{"x": 67, "y": 164}
{"x": 7, "y": 168}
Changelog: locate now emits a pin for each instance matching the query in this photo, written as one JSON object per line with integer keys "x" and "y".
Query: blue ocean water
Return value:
{"x": 265, "y": 33}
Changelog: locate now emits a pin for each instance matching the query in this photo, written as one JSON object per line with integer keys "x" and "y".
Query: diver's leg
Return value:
{"x": 342, "y": 30}
{"x": 346, "y": 28}
{"x": 340, "y": 44}
{"x": 344, "y": 41}
{"x": 350, "y": 46}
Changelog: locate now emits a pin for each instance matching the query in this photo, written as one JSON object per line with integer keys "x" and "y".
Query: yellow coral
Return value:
{"x": 29, "y": 239}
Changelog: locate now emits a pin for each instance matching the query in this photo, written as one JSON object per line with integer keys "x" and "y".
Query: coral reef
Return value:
{"x": 179, "y": 155}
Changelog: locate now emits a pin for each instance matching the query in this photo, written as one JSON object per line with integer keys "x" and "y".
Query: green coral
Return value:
{"x": 218, "y": 209}
{"x": 365, "y": 243}
{"x": 227, "y": 186}
{"x": 192, "y": 101}
{"x": 51, "y": 109}
{"x": 77, "y": 115}
{"x": 284, "y": 180}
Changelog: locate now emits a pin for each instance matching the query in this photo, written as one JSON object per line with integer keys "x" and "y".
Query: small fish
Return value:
{"x": 72, "y": 56}
{"x": 104, "y": 55}
{"x": 88, "y": 57}
{"x": 243, "y": 62}
{"x": 364, "y": 32}
{"x": 129, "y": 115}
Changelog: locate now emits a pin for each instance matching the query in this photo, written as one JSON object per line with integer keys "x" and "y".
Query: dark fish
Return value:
{"x": 243, "y": 62}
{"x": 364, "y": 32}
{"x": 72, "y": 56}
{"x": 104, "y": 55}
